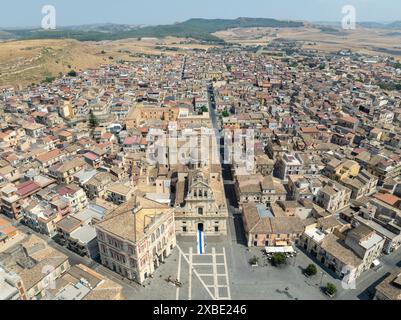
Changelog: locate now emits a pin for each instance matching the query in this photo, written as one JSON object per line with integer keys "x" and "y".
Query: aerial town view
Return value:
{"x": 212, "y": 159}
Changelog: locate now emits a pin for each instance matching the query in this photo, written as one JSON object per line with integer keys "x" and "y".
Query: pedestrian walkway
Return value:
{"x": 209, "y": 269}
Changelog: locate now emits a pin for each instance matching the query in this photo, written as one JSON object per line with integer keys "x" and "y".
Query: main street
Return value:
{"x": 235, "y": 220}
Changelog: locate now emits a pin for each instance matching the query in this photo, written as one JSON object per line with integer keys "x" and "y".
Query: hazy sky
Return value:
{"x": 15, "y": 13}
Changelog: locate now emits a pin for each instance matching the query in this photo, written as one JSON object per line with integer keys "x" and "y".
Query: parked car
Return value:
{"x": 376, "y": 265}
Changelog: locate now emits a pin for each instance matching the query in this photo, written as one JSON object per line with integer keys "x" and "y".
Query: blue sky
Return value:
{"x": 19, "y": 13}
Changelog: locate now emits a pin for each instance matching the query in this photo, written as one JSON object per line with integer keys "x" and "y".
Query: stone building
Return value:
{"x": 200, "y": 203}
{"x": 136, "y": 237}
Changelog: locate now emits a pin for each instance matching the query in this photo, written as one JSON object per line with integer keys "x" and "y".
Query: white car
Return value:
{"x": 376, "y": 265}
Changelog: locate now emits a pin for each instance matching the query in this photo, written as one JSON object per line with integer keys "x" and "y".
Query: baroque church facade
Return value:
{"x": 200, "y": 203}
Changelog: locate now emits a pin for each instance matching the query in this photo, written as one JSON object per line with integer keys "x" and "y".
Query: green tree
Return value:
{"x": 397, "y": 65}
{"x": 93, "y": 121}
{"x": 331, "y": 289}
{"x": 254, "y": 260}
{"x": 72, "y": 73}
{"x": 279, "y": 259}
{"x": 204, "y": 109}
{"x": 50, "y": 79}
{"x": 311, "y": 270}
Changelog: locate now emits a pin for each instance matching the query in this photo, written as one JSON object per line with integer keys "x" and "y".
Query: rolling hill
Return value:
{"x": 199, "y": 29}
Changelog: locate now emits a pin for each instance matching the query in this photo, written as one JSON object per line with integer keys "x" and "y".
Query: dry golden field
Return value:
{"x": 31, "y": 61}
{"x": 370, "y": 41}
{"x": 25, "y": 62}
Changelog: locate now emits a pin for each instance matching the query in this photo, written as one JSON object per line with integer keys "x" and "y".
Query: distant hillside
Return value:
{"x": 199, "y": 29}
{"x": 372, "y": 25}
{"x": 392, "y": 25}
{"x": 364, "y": 24}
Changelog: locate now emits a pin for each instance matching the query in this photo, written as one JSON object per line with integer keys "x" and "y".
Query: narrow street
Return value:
{"x": 235, "y": 226}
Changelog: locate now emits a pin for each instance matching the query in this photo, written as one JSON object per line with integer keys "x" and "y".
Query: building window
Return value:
{"x": 216, "y": 229}
{"x": 184, "y": 229}
{"x": 200, "y": 211}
